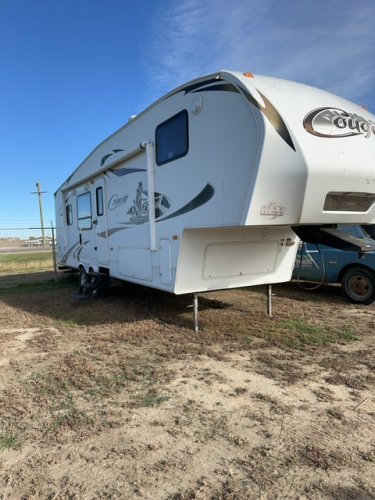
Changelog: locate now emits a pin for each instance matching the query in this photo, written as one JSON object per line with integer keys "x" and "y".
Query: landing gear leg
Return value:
{"x": 269, "y": 300}
{"x": 195, "y": 312}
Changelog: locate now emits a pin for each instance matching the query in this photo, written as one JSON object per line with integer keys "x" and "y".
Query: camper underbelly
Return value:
{"x": 218, "y": 258}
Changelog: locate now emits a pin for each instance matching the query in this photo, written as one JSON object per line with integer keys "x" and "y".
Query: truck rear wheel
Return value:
{"x": 358, "y": 284}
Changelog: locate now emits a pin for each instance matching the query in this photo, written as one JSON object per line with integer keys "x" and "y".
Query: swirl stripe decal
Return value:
{"x": 203, "y": 197}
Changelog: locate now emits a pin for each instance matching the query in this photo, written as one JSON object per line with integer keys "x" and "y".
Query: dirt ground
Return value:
{"x": 120, "y": 398}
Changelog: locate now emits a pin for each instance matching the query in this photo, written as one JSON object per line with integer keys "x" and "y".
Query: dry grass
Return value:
{"x": 120, "y": 398}
{"x": 28, "y": 262}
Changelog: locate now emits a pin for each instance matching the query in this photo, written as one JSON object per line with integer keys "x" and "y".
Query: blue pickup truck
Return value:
{"x": 324, "y": 264}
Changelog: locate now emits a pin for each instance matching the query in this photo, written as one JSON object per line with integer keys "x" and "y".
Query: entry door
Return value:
{"x": 100, "y": 221}
{"x": 86, "y": 228}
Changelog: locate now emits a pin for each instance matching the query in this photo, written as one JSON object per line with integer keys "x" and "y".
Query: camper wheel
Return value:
{"x": 94, "y": 284}
{"x": 101, "y": 282}
{"x": 83, "y": 280}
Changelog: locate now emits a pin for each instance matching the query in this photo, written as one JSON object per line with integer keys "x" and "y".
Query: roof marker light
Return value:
{"x": 250, "y": 75}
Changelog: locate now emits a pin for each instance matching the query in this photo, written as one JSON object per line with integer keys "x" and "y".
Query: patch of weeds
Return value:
{"x": 315, "y": 456}
{"x": 10, "y": 441}
{"x": 58, "y": 323}
{"x": 296, "y": 332}
{"x": 141, "y": 372}
{"x": 113, "y": 383}
{"x": 276, "y": 406}
{"x": 48, "y": 385}
{"x": 228, "y": 491}
{"x": 62, "y": 405}
{"x": 73, "y": 419}
{"x": 108, "y": 424}
{"x": 72, "y": 372}
{"x": 369, "y": 456}
{"x": 292, "y": 343}
{"x": 333, "y": 492}
{"x": 336, "y": 413}
{"x": 186, "y": 495}
{"x": 347, "y": 333}
{"x": 187, "y": 408}
{"x": 299, "y": 331}
{"x": 350, "y": 381}
{"x": 282, "y": 370}
{"x": 150, "y": 399}
{"x": 247, "y": 337}
{"x": 320, "y": 458}
{"x": 44, "y": 342}
{"x": 258, "y": 467}
{"x": 366, "y": 358}
{"x": 240, "y": 390}
{"x": 324, "y": 394}
{"x": 75, "y": 317}
{"x": 231, "y": 491}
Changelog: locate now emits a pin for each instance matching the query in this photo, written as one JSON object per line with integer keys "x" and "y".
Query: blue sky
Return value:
{"x": 73, "y": 71}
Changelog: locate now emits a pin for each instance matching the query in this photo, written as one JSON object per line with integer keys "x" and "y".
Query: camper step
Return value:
{"x": 96, "y": 275}
{"x": 80, "y": 296}
{"x": 89, "y": 285}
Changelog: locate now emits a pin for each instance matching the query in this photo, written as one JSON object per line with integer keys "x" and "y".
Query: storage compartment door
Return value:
{"x": 165, "y": 262}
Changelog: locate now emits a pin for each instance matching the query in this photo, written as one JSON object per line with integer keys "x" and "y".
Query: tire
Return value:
{"x": 358, "y": 284}
{"x": 101, "y": 288}
{"x": 98, "y": 293}
{"x": 83, "y": 280}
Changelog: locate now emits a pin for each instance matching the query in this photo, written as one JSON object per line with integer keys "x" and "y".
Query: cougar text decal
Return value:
{"x": 116, "y": 201}
{"x": 334, "y": 122}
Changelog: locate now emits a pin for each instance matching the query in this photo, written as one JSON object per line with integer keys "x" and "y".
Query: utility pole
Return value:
{"x": 39, "y": 193}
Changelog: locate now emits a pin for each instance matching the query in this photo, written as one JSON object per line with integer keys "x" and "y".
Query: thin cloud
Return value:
{"x": 328, "y": 44}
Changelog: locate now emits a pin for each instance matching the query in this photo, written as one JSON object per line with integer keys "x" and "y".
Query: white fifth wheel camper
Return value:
{"x": 209, "y": 186}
